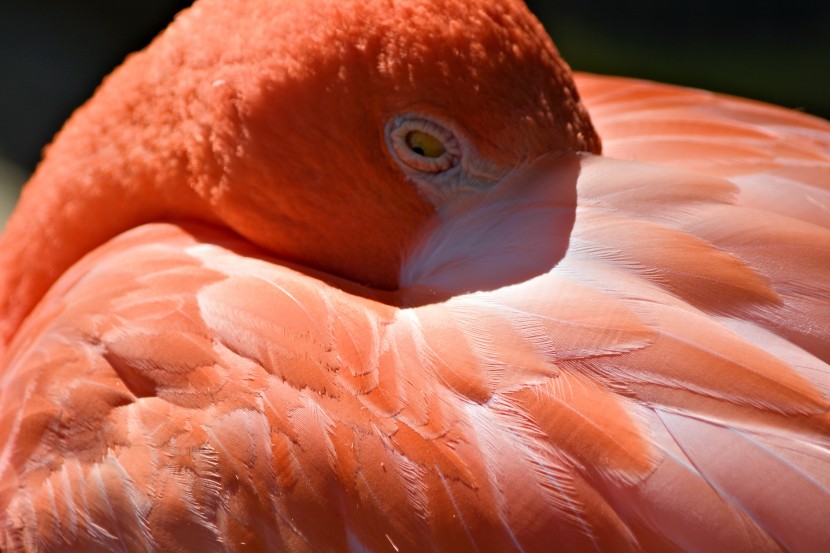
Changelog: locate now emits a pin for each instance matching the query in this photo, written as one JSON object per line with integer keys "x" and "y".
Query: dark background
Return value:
{"x": 53, "y": 53}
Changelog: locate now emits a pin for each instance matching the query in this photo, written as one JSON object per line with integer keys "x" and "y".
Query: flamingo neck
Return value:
{"x": 68, "y": 209}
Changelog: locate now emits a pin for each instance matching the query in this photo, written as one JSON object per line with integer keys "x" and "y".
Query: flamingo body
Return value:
{"x": 618, "y": 352}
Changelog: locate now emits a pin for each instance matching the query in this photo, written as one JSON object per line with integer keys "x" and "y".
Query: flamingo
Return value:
{"x": 385, "y": 276}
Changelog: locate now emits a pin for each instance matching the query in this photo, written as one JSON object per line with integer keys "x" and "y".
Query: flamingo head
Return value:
{"x": 328, "y": 132}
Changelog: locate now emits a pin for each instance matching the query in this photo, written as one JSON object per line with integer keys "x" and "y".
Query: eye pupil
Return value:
{"x": 425, "y": 144}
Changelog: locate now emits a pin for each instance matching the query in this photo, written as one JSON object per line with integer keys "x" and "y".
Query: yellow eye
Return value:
{"x": 425, "y": 144}
{"x": 422, "y": 144}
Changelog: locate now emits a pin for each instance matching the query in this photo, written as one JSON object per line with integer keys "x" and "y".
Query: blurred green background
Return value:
{"x": 53, "y": 53}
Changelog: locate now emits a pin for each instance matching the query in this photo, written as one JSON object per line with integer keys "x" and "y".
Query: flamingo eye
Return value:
{"x": 423, "y": 144}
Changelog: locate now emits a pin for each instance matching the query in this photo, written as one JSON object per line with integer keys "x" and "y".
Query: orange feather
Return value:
{"x": 243, "y": 309}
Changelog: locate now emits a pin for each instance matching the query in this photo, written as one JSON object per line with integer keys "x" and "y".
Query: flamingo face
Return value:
{"x": 327, "y": 114}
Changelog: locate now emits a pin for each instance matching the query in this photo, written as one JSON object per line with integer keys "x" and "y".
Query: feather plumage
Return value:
{"x": 598, "y": 354}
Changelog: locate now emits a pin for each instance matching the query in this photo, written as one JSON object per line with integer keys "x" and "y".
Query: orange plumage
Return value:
{"x": 246, "y": 306}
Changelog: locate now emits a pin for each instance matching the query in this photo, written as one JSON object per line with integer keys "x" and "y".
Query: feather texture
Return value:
{"x": 571, "y": 406}
{"x": 626, "y": 352}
